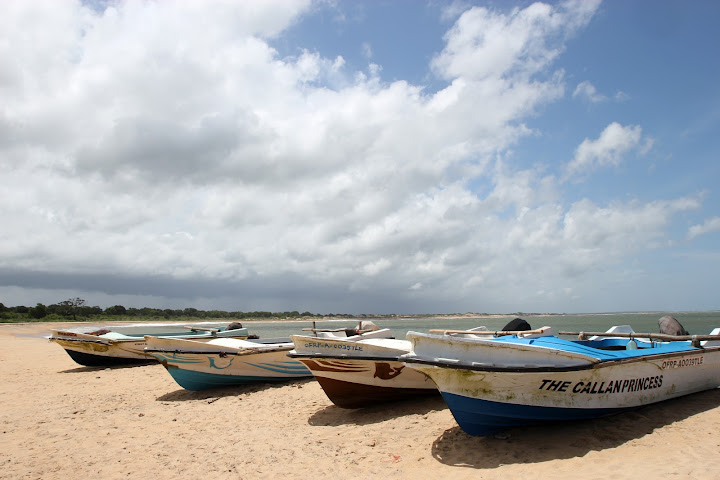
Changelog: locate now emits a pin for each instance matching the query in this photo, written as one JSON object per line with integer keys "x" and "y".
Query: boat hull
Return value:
{"x": 480, "y": 417}
{"x": 485, "y": 398}
{"x": 92, "y": 353}
{"x": 355, "y": 372}
{"x": 93, "y": 360}
{"x": 362, "y": 383}
{"x": 109, "y": 348}
{"x": 204, "y": 370}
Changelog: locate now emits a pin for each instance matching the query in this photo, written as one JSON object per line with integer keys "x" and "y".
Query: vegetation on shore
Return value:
{"x": 77, "y": 310}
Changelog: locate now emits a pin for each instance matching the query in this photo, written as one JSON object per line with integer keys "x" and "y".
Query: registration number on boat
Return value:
{"x": 683, "y": 362}
{"x": 355, "y": 348}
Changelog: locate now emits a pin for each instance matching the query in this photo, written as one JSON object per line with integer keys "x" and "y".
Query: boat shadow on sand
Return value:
{"x": 182, "y": 395}
{"x": 333, "y": 415}
{"x": 566, "y": 439}
{"x": 98, "y": 368}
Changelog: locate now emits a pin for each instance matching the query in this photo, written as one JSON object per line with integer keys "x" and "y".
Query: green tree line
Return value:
{"x": 76, "y": 309}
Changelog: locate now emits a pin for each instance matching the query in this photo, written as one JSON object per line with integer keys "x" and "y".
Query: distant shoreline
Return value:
{"x": 348, "y": 318}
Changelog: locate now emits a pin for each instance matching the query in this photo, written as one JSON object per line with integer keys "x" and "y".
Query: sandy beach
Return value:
{"x": 61, "y": 420}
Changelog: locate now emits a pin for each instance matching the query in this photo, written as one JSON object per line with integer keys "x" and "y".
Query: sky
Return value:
{"x": 361, "y": 156}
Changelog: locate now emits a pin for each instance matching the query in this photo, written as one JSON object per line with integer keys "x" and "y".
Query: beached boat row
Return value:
{"x": 490, "y": 380}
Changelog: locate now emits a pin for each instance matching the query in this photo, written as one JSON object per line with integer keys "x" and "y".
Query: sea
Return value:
{"x": 696, "y": 323}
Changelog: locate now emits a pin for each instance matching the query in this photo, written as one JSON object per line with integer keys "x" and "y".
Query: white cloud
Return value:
{"x": 367, "y": 51}
{"x": 708, "y": 226}
{"x": 588, "y": 91}
{"x": 622, "y": 97}
{"x": 485, "y": 44}
{"x": 374, "y": 268}
{"x": 169, "y": 140}
{"x": 608, "y": 150}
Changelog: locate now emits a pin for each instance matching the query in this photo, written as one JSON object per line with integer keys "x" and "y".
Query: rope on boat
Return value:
{"x": 213, "y": 331}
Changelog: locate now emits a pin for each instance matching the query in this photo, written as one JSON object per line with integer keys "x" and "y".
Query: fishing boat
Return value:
{"x": 496, "y": 380}
{"x": 96, "y": 345}
{"x": 359, "y": 367}
{"x": 225, "y": 361}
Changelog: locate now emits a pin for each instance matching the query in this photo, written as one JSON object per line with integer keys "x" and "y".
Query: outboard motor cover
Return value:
{"x": 670, "y": 326}
{"x": 516, "y": 325}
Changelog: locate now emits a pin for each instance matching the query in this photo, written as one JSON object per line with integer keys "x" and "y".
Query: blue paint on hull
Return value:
{"x": 482, "y": 417}
{"x": 191, "y": 380}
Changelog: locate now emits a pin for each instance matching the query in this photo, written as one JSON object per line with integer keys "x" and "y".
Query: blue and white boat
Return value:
{"x": 496, "y": 380}
{"x": 226, "y": 361}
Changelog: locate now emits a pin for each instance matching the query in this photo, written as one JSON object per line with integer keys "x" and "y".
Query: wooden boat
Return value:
{"x": 496, "y": 380}
{"x": 360, "y": 367}
{"x": 95, "y": 345}
{"x": 225, "y": 361}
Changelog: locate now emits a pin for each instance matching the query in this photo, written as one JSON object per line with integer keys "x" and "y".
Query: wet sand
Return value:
{"x": 60, "y": 420}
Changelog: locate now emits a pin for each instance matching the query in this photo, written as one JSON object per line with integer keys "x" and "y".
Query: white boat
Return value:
{"x": 360, "y": 367}
{"x": 225, "y": 361}
{"x": 496, "y": 380}
{"x": 98, "y": 345}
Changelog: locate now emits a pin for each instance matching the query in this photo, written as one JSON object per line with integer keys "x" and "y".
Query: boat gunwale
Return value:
{"x": 248, "y": 351}
{"x": 101, "y": 341}
{"x": 345, "y": 357}
{"x": 142, "y": 339}
{"x": 549, "y": 368}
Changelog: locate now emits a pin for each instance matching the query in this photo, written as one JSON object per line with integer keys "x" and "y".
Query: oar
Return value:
{"x": 323, "y": 329}
{"x": 315, "y": 330}
{"x": 488, "y": 332}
